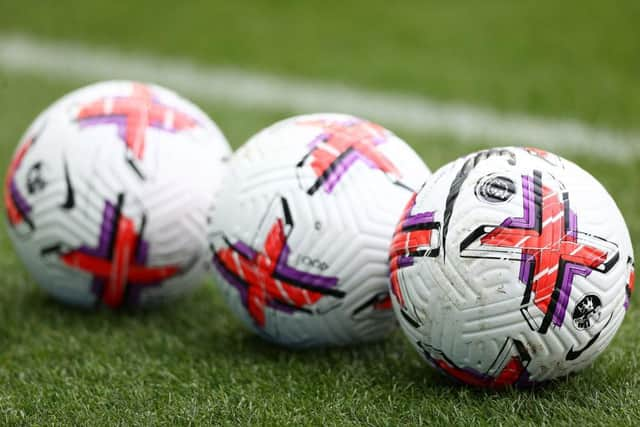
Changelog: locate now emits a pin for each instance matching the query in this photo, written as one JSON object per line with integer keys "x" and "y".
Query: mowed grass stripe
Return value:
{"x": 239, "y": 88}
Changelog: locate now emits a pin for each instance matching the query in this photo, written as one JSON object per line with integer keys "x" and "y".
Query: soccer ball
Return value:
{"x": 302, "y": 228}
{"x": 511, "y": 266}
{"x": 108, "y": 194}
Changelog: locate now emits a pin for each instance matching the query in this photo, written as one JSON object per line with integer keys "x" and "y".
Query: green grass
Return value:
{"x": 576, "y": 58}
{"x": 192, "y": 362}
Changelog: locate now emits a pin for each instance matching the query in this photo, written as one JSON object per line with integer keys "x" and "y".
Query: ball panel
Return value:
{"x": 130, "y": 171}
{"x": 526, "y": 278}
{"x": 342, "y": 194}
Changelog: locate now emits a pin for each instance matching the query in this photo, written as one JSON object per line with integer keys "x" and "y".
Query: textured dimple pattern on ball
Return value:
{"x": 469, "y": 306}
{"x": 347, "y": 230}
{"x": 181, "y": 170}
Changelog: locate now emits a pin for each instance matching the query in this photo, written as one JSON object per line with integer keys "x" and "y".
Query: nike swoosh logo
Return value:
{"x": 573, "y": 355}
{"x": 71, "y": 201}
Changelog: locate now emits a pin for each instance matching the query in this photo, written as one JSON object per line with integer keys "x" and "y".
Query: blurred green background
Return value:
{"x": 192, "y": 363}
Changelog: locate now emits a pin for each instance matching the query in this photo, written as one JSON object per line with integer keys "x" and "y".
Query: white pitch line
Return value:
{"x": 239, "y": 88}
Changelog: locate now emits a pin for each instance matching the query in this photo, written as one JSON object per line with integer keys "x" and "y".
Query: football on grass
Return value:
{"x": 108, "y": 193}
{"x": 303, "y": 224}
{"x": 511, "y": 266}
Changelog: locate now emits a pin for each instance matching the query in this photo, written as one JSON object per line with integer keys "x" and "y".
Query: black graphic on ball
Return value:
{"x": 587, "y": 312}
{"x": 495, "y": 189}
{"x": 35, "y": 181}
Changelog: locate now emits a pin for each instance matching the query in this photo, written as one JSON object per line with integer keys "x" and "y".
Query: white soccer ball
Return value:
{"x": 511, "y": 266}
{"x": 303, "y": 224}
{"x": 108, "y": 195}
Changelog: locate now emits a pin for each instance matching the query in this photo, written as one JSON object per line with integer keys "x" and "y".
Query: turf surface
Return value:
{"x": 576, "y": 58}
{"x": 192, "y": 362}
